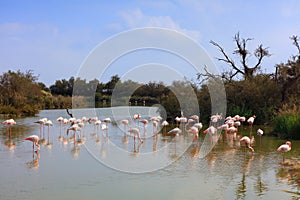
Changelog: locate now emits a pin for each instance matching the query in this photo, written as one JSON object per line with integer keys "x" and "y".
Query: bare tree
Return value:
{"x": 241, "y": 50}
{"x": 289, "y": 74}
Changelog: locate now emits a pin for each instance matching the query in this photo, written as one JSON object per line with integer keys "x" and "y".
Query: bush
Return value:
{"x": 287, "y": 123}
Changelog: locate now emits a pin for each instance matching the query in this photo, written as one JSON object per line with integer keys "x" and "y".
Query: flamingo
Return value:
{"x": 155, "y": 124}
{"x": 247, "y": 142}
{"x": 125, "y": 122}
{"x": 41, "y": 122}
{"x": 175, "y": 131}
{"x": 211, "y": 130}
{"x": 242, "y": 119}
{"x": 212, "y": 134}
{"x": 136, "y": 133}
{"x": 145, "y": 122}
{"x": 81, "y": 126}
{"x": 97, "y": 124}
{"x": 251, "y": 121}
{"x": 93, "y": 119}
{"x": 224, "y": 127}
{"x": 285, "y": 148}
{"x": 84, "y": 119}
{"x": 74, "y": 128}
{"x": 60, "y": 120}
{"x": 106, "y": 120}
{"x": 35, "y": 141}
{"x": 165, "y": 124}
{"x": 9, "y": 123}
{"x": 177, "y": 119}
{"x": 183, "y": 120}
{"x": 195, "y": 117}
{"x": 198, "y": 125}
{"x": 195, "y": 131}
{"x": 260, "y": 133}
{"x": 136, "y": 117}
{"x": 48, "y": 123}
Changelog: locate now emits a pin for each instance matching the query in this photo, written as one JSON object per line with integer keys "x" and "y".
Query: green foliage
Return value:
{"x": 287, "y": 123}
{"x": 258, "y": 96}
{"x": 20, "y": 94}
{"x": 63, "y": 87}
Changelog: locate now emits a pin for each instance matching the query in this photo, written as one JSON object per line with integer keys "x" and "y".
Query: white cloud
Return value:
{"x": 137, "y": 19}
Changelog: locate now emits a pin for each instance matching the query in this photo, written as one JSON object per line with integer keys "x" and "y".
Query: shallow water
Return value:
{"x": 159, "y": 168}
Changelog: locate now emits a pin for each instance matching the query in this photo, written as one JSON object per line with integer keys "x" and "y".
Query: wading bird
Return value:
{"x": 136, "y": 133}
{"x": 35, "y": 141}
{"x": 285, "y": 148}
{"x": 247, "y": 142}
{"x": 251, "y": 121}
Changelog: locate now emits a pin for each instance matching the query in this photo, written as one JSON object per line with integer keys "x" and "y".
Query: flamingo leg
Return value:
{"x": 74, "y": 138}
{"x": 48, "y": 135}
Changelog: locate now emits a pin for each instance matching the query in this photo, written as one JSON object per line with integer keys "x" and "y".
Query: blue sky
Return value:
{"x": 53, "y": 38}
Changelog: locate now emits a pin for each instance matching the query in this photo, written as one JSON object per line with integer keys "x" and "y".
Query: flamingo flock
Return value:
{"x": 216, "y": 131}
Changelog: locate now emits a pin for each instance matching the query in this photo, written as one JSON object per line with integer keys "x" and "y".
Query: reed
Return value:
{"x": 287, "y": 122}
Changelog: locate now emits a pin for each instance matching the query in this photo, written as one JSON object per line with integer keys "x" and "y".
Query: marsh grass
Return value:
{"x": 287, "y": 122}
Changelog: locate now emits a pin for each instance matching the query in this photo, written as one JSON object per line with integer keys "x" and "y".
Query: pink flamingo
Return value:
{"x": 136, "y": 117}
{"x": 60, "y": 120}
{"x": 247, "y": 142}
{"x": 177, "y": 119}
{"x": 125, "y": 122}
{"x": 41, "y": 122}
{"x": 145, "y": 122}
{"x": 35, "y": 141}
{"x": 136, "y": 133}
{"x": 195, "y": 131}
{"x": 195, "y": 117}
{"x": 74, "y": 128}
{"x": 106, "y": 121}
{"x": 9, "y": 123}
{"x": 285, "y": 148}
{"x": 260, "y": 133}
{"x": 251, "y": 121}
{"x": 165, "y": 124}
{"x": 48, "y": 123}
{"x": 174, "y": 131}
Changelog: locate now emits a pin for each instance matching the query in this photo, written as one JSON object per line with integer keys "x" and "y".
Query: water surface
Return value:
{"x": 73, "y": 171}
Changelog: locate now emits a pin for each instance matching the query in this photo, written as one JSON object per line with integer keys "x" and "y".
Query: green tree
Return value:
{"x": 20, "y": 92}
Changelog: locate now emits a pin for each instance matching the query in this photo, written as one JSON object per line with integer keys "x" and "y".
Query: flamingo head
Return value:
{"x": 289, "y": 143}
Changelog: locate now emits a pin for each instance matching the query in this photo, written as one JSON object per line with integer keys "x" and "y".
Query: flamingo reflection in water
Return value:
{"x": 34, "y": 163}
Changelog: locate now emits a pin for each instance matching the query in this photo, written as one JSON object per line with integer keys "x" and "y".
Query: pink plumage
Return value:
{"x": 285, "y": 147}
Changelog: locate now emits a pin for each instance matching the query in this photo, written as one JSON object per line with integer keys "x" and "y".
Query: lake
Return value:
{"x": 163, "y": 167}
